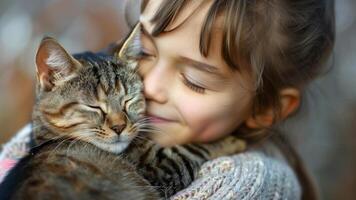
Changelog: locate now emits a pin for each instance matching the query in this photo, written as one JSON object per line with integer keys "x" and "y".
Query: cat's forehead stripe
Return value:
{"x": 101, "y": 95}
{"x": 104, "y": 74}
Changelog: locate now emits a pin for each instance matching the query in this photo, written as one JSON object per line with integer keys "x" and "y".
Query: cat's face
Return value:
{"x": 88, "y": 98}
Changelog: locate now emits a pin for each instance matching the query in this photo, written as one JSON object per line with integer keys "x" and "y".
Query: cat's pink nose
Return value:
{"x": 118, "y": 128}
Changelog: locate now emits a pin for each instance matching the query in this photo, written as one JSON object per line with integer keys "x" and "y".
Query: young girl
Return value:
{"x": 217, "y": 67}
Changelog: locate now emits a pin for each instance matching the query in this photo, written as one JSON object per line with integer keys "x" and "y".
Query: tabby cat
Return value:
{"x": 88, "y": 128}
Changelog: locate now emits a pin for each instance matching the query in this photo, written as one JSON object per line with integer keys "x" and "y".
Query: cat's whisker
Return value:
{"x": 151, "y": 129}
{"x": 57, "y": 146}
{"x": 60, "y": 137}
{"x": 54, "y": 138}
{"x": 144, "y": 130}
{"x": 147, "y": 127}
{"x": 76, "y": 139}
{"x": 97, "y": 131}
{"x": 134, "y": 127}
{"x": 146, "y": 117}
{"x": 142, "y": 139}
{"x": 143, "y": 123}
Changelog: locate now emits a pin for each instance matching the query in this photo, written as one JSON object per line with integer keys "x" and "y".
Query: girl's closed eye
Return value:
{"x": 192, "y": 84}
{"x": 145, "y": 54}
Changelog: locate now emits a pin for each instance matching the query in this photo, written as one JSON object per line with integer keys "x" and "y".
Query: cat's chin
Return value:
{"x": 115, "y": 148}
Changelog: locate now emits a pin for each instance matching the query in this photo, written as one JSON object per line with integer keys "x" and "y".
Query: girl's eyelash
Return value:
{"x": 193, "y": 86}
{"x": 143, "y": 54}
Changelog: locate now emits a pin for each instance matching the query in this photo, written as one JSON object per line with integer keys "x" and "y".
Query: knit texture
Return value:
{"x": 249, "y": 175}
{"x": 259, "y": 173}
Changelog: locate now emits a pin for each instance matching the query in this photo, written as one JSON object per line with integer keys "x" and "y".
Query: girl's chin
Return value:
{"x": 170, "y": 136}
{"x": 165, "y": 142}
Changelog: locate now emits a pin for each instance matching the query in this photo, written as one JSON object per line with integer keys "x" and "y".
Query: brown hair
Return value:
{"x": 285, "y": 43}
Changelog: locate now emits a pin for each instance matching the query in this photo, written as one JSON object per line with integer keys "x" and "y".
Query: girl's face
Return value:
{"x": 191, "y": 98}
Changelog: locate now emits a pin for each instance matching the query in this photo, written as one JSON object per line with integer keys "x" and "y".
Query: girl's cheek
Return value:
{"x": 198, "y": 113}
{"x": 206, "y": 122}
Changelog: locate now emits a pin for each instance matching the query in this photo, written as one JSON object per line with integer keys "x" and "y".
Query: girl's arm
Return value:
{"x": 14, "y": 150}
{"x": 249, "y": 175}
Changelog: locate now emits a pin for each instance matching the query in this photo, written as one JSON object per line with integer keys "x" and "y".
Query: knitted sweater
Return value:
{"x": 259, "y": 173}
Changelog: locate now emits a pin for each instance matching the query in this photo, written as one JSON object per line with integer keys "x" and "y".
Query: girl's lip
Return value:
{"x": 156, "y": 119}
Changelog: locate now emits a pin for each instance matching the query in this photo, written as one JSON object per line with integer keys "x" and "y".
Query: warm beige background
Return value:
{"x": 323, "y": 132}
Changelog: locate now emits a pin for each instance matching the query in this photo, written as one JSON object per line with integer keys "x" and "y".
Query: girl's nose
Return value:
{"x": 155, "y": 84}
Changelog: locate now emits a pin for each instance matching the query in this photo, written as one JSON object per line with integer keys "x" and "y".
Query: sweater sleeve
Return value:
{"x": 249, "y": 175}
{"x": 14, "y": 150}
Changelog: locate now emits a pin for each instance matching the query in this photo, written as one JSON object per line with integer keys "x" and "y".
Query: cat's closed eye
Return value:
{"x": 96, "y": 108}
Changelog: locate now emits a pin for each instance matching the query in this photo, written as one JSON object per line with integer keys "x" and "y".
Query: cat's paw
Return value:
{"x": 227, "y": 146}
{"x": 235, "y": 145}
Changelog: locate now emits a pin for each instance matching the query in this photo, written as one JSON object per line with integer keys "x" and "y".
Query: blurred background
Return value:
{"x": 323, "y": 131}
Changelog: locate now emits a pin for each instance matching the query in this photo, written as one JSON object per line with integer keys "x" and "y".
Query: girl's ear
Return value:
{"x": 53, "y": 64}
{"x": 289, "y": 101}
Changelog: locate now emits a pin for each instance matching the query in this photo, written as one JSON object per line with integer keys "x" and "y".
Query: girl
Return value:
{"x": 218, "y": 67}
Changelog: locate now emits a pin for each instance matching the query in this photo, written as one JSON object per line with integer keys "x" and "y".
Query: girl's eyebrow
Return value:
{"x": 202, "y": 66}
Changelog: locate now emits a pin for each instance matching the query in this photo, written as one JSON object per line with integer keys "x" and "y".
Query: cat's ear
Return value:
{"x": 54, "y": 65}
{"x": 130, "y": 49}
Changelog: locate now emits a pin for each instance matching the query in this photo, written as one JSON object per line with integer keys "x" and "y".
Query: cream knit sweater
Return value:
{"x": 259, "y": 173}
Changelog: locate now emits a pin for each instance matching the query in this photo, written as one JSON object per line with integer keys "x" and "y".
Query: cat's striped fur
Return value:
{"x": 173, "y": 169}
{"x": 88, "y": 110}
